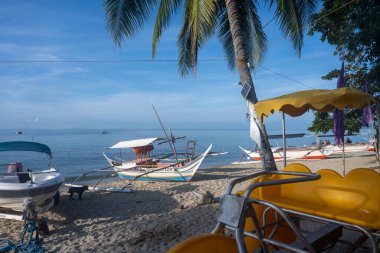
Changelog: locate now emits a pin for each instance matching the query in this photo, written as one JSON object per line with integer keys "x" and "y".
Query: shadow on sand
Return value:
{"x": 101, "y": 207}
{"x": 220, "y": 173}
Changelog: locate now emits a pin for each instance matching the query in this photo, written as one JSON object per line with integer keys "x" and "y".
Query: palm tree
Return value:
{"x": 237, "y": 25}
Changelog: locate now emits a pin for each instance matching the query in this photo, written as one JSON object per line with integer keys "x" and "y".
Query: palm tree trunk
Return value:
{"x": 245, "y": 77}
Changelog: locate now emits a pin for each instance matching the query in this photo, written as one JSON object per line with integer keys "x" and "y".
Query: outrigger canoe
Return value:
{"x": 148, "y": 167}
{"x": 291, "y": 153}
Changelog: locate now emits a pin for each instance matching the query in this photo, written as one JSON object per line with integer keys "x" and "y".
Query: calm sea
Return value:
{"x": 77, "y": 151}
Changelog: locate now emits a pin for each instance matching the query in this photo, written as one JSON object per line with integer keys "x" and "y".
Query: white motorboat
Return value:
{"x": 18, "y": 186}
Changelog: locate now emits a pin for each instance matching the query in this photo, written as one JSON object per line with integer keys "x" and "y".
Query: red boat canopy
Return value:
{"x": 143, "y": 150}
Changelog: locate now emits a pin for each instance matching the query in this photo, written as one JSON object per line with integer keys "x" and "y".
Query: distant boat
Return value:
{"x": 18, "y": 132}
{"x": 105, "y": 132}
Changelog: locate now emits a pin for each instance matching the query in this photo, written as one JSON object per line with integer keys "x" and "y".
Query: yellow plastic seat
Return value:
{"x": 353, "y": 199}
{"x": 209, "y": 243}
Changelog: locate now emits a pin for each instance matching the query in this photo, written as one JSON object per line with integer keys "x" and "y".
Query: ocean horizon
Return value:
{"x": 79, "y": 150}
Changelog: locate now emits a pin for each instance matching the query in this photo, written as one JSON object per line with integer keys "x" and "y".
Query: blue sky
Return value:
{"x": 120, "y": 95}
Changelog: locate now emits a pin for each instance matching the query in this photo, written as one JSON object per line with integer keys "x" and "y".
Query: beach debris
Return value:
{"x": 29, "y": 240}
{"x": 33, "y": 244}
{"x": 194, "y": 198}
{"x": 206, "y": 197}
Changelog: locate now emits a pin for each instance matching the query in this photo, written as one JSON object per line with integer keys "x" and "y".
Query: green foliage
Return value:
{"x": 166, "y": 9}
{"x": 125, "y": 18}
{"x": 204, "y": 18}
{"x": 324, "y": 122}
{"x": 354, "y": 30}
{"x": 331, "y": 75}
{"x": 291, "y": 16}
{"x": 352, "y": 121}
{"x": 198, "y": 25}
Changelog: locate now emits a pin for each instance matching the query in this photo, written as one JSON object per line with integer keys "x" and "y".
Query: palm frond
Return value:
{"x": 199, "y": 22}
{"x": 165, "y": 11}
{"x": 293, "y": 16}
{"x": 225, "y": 37}
{"x": 125, "y": 17}
{"x": 255, "y": 40}
{"x": 184, "y": 45}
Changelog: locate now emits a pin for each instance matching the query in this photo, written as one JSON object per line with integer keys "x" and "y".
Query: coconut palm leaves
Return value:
{"x": 292, "y": 16}
{"x": 125, "y": 18}
{"x": 199, "y": 21}
{"x": 165, "y": 11}
{"x": 204, "y": 18}
{"x": 255, "y": 40}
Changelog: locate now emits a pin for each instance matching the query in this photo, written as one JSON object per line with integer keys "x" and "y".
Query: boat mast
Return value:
{"x": 169, "y": 139}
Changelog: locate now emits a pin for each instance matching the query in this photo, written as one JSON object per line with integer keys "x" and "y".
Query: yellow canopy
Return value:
{"x": 296, "y": 104}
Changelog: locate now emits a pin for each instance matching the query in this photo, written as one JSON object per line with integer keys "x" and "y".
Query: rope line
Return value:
{"x": 32, "y": 245}
{"x": 286, "y": 77}
{"x": 344, "y": 5}
{"x": 105, "y": 61}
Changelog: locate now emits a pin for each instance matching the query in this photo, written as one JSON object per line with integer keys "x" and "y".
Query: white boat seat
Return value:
{"x": 9, "y": 179}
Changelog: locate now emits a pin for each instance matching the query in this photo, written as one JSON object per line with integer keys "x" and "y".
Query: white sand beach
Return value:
{"x": 156, "y": 216}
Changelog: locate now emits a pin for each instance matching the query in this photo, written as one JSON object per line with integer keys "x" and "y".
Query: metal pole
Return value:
{"x": 170, "y": 140}
{"x": 344, "y": 159}
{"x": 377, "y": 134}
{"x": 284, "y": 138}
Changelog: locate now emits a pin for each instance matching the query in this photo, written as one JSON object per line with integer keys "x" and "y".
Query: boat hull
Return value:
{"x": 168, "y": 173}
{"x": 13, "y": 194}
{"x": 350, "y": 148}
{"x": 302, "y": 153}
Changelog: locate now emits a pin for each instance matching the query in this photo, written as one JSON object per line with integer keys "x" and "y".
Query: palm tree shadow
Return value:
{"x": 220, "y": 173}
